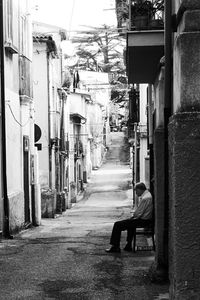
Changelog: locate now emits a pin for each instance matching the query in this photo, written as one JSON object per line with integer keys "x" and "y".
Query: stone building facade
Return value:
{"x": 173, "y": 128}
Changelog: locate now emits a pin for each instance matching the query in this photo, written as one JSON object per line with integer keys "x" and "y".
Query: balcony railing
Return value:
{"x": 140, "y": 14}
{"x": 146, "y": 15}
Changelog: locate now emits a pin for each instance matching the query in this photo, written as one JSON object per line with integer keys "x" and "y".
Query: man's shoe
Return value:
{"x": 128, "y": 248}
{"x": 113, "y": 250}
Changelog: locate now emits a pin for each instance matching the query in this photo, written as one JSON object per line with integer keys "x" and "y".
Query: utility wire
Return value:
{"x": 15, "y": 117}
{"x": 71, "y": 18}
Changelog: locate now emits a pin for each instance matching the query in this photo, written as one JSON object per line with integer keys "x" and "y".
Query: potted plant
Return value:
{"x": 141, "y": 13}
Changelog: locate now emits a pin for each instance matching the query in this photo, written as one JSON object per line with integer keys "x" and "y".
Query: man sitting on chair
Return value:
{"x": 141, "y": 216}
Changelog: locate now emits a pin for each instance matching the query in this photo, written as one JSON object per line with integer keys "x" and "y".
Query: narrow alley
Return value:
{"x": 65, "y": 257}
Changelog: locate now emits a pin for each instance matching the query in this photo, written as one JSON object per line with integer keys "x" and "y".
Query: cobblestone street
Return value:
{"x": 65, "y": 257}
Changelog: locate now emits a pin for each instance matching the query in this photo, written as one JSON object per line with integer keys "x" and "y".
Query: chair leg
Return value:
{"x": 134, "y": 241}
{"x": 154, "y": 247}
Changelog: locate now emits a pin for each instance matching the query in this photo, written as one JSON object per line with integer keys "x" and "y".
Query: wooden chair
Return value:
{"x": 147, "y": 229}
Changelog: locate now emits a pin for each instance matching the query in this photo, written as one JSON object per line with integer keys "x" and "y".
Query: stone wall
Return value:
{"x": 184, "y": 154}
{"x": 184, "y": 221}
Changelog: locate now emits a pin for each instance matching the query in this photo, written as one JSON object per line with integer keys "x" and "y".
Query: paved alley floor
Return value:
{"x": 65, "y": 257}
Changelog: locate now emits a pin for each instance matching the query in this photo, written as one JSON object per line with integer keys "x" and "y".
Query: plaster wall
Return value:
{"x": 14, "y": 147}
{"x": 67, "y": 138}
{"x": 71, "y": 154}
{"x": 95, "y": 127}
{"x": 54, "y": 110}
{"x": 27, "y": 120}
{"x": 12, "y": 73}
{"x": 77, "y": 106}
{"x": 40, "y": 94}
{"x": 18, "y": 113}
{"x": 88, "y": 160}
{"x": 48, "y": 77}
{"x": 14, "y": 141}
{"x": 67, "y": 118}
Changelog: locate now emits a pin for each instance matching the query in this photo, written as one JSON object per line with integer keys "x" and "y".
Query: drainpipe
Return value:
{"x": 167, "y": 111}
{"x": 3, "y": 124}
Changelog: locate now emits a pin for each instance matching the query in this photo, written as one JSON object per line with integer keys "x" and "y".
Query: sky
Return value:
{"x": 74, "y": 14}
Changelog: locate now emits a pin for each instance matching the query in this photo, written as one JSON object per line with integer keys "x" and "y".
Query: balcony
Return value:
{"x": 146, "y": 15}
{"x": 145, "y": 37}
{"x": 145, "y": 40}
{"x": 144, "y": 51}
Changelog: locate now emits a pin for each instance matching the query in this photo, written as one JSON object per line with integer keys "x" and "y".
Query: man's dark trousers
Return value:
{"x": 129, "y": 225}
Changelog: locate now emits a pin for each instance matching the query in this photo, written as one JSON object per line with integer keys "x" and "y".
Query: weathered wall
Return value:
{"x": 16, "y": 211}
{"x": 184, "y": 223}
{"x": 184, "y": 145}
{"x": 186, "y": 4}
{"x": 14, "y": 158}
{"x": 187, "y": 70}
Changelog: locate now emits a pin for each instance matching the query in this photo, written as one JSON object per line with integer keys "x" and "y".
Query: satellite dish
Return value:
{"x": 37, "y": 132}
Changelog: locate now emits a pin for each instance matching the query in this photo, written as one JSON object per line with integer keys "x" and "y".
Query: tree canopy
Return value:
{"x": 102, "y": 49}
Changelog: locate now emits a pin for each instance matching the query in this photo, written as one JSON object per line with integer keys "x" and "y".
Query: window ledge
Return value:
{"x": 10, "y": 48}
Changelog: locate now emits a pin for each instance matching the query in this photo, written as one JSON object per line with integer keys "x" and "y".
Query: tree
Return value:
{"x": 102, "y": 49}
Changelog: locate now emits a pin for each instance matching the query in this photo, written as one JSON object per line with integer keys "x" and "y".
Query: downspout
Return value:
{"x": 6, "y": 230}
{"x": 167, "y": 113}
